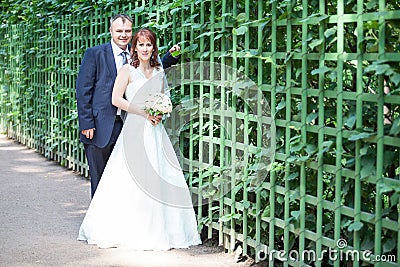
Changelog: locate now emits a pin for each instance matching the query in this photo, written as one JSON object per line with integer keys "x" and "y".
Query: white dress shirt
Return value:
{"x": 118, "y": 60}
{"x": 117, "y": 55}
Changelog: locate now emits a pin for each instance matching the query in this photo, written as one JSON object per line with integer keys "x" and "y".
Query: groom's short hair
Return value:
{"x": 124, "y": 17}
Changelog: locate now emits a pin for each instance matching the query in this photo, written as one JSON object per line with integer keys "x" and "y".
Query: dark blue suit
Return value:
{"x": 94, "y": 87}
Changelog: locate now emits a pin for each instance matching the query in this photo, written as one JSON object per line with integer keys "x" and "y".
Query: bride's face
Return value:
{"x": 144, "y": 49}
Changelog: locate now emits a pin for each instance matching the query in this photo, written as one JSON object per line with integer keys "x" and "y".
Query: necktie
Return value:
{"x": 124, "y": 58}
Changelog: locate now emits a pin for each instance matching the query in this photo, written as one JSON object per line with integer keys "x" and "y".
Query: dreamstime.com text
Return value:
{"x": 339, "y": 253}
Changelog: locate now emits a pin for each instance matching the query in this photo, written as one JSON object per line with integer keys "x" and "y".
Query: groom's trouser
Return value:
{"x": 97, "y": 157}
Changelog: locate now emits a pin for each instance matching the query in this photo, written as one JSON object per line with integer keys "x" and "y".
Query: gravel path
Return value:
{"x": 41, "y": 208}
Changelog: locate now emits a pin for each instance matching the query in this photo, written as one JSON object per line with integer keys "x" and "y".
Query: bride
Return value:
{"x": 142, "y": 200}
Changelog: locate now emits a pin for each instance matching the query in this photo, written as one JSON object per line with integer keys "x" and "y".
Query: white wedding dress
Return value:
{"x": 142, "y": 200}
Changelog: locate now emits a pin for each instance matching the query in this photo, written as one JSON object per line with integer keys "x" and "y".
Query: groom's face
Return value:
{"x": 121, "y": 32}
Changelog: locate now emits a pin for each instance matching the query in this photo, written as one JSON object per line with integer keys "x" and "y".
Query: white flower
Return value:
{"x": 158, "y": 103}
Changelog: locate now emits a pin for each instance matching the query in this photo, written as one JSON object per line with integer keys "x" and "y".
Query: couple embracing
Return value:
{"x": 142, "y": 200}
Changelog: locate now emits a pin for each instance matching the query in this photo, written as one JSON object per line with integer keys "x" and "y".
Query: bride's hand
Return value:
{"x": 159, "y": 117}
{"x": 154, "y": 120}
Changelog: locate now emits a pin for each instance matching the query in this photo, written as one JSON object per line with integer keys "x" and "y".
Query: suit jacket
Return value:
{"x": 94, "y": 87}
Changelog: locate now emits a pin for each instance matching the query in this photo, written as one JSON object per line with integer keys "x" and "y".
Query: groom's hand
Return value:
{"x": 89, "y": 133}
{"x": 175, "y": 50}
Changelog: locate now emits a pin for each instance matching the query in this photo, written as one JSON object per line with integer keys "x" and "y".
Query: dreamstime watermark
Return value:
{"x": 226, "y": 100}
{"x": 341, "y": 253}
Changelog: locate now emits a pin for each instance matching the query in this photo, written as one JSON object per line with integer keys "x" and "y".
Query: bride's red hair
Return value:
{"x": 151, "y": 36}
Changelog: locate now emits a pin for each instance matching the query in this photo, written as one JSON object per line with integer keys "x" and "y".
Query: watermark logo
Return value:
{"x": 342, "y": 253}
{"x": 341, "y": 243}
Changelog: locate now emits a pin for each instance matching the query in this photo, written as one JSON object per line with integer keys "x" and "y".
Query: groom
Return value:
{"x": 99, "y": 121}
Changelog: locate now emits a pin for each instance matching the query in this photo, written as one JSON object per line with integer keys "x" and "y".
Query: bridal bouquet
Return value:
{"x": 158, "y": 104}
